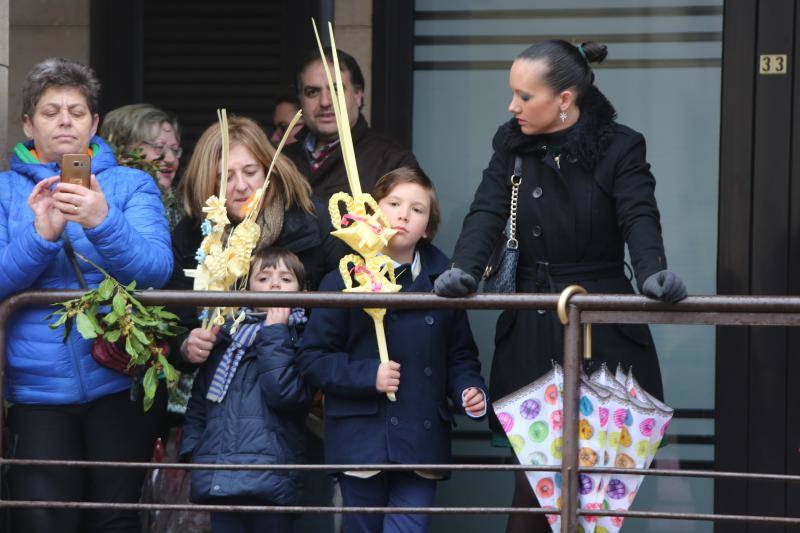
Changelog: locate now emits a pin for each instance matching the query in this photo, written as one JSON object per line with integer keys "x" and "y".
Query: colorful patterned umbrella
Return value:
{"x": 620, "y": 425}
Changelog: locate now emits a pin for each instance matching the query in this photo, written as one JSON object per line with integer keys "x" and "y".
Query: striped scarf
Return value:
{"x": 240, "y": 342}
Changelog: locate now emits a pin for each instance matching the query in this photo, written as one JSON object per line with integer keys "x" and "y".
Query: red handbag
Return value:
{"x": 113, "y": 355}
{"x": 108, "y": 354}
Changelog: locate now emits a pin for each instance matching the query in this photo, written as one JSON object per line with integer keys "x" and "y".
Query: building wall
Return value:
{"x": 353, "y": 32}
{"x": 37, "y": 29}
{"x": 3, "y": 79}
{"x": 32, "y": 30}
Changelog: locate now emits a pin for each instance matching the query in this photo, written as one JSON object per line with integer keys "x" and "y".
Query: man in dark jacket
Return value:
{"x": 318, "y": 154}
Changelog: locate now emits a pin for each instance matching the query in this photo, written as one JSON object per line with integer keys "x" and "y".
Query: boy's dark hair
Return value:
{"x": 384, "y": 186}
{"x": 271, "y": 256}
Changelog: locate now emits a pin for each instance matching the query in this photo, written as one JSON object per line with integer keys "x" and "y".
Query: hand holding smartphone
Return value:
{"x": 75, "y": 169}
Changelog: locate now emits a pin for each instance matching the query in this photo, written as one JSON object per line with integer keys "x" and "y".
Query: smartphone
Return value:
{"x": 75, "y": 169}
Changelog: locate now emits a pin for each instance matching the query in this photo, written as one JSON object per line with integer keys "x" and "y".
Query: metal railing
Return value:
{"x": 579, "y": 309}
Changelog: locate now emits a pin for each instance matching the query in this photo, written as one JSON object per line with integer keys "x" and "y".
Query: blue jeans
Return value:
{"x": 387, "y": 489}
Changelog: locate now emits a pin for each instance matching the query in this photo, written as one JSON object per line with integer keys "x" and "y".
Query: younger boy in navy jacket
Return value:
{"x": 248, "y": 406}
{"x": 434, "y": 358}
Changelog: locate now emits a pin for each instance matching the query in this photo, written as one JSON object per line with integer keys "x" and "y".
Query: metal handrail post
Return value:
{"x": 569, "y": 461}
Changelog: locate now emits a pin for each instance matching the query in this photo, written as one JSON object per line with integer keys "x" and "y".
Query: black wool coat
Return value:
{"x": 376, "y": 154}
{"x": 585, "y": 193}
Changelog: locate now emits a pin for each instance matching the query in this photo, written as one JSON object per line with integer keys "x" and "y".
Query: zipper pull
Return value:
{"x": 557, "y": 159}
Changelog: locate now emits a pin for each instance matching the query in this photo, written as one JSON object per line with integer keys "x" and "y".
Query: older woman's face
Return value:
{"x": 533, "y": 103}
{"x": 61, "y": 124}
{"x": 245, "y": 175}
{"x": 165, "y": 144}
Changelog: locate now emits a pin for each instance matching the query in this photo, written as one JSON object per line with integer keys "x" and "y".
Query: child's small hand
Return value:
{"x": 473, "y": 401}
{"x": 388, "y": 377}
{"x": 277, "y": 315}
{"x": 198, "y": 345}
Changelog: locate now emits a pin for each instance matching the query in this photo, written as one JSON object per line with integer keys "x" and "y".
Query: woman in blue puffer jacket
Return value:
{"x": 63, "y": 404}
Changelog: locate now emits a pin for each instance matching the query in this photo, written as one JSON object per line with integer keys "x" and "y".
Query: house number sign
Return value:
{"x": 772, "y": 64}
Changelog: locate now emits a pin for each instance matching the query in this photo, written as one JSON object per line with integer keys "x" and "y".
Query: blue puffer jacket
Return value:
{"x": 260, "y": 421}
{"x": 132, "y": 243}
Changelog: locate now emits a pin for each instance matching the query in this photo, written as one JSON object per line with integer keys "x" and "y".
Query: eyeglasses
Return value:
{"x": 161, "y": 149}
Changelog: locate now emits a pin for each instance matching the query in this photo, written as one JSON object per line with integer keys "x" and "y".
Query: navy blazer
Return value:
{"x": 438, "y": 358}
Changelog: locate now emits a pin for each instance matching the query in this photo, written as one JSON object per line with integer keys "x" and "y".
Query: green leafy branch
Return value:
{"x": 127, "y": 323}
{"x": 135, "y": 158}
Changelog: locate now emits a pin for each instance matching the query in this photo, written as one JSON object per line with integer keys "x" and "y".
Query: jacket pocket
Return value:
{"x": 446, "y": 415}
{"x": 342, "y": 407}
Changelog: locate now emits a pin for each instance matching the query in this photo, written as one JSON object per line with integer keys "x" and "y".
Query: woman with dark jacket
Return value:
{"x": 586, "y": 190}
{"x": 289, "y": 218}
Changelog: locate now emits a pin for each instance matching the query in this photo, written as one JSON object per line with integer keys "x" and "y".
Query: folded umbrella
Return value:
{"x": 620, "y": 425}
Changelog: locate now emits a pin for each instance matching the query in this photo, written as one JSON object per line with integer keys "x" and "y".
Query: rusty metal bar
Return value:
{"x": 690, "y": 318}
{"x": 322, "y": 467}
{"x": 270, "y": 508}
{"x": 670, "y": 472}
{"x": 306, "y": 299}
{"x": 695, "y": 516}
{"x": 693, "y": 304}
{"x": 585, "y": 302}
{"x": 569, "y": 461}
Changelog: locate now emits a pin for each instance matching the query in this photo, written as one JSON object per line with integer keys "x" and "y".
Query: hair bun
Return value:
{"x": 594, "y": 52}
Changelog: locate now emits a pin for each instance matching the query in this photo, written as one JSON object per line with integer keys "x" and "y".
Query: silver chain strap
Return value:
{"x": 512, "y": 219}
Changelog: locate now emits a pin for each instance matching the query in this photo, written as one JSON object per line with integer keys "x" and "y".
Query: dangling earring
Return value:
{"x": 563, "y": 116}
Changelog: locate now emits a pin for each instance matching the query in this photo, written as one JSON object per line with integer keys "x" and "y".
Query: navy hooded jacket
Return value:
{"x": 259, "y": 421}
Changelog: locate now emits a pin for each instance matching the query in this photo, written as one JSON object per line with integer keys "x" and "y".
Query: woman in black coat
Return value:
{"x": 586, "y": 191}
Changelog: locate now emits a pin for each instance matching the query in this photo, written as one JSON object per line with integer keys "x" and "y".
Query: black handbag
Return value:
{"x": 500, "y": 274}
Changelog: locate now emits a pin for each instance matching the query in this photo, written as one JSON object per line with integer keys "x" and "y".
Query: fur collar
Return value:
{"x": 586, "y": 141}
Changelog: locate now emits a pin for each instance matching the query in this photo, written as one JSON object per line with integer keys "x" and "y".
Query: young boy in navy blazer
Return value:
{"x": 434, "y": 357}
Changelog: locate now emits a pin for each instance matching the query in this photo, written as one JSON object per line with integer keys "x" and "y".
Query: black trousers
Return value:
{"x": 111, "y": 428}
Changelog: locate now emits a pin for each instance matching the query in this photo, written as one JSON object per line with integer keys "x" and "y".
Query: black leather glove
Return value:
{"x": 665, "y": 286}
{"x": 454, "y": 283}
